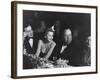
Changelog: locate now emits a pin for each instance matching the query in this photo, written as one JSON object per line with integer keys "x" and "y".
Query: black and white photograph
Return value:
{"x": 54, "y": 39}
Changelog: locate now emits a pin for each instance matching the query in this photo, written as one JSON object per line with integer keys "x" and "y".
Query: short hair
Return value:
{"x": 28, "y": 28}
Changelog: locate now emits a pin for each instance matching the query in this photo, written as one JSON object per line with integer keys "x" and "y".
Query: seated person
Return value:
{"x": 28, "y": 47}
{"x": 46, "y": 46}
{"x": 63, "y": 50}
{"x": 28, "y": 40}
{"x": 74, "y": 51}
{"x": 86, "y": 52}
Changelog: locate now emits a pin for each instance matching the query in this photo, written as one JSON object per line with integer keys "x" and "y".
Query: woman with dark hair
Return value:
{"x": 46, "y": 45}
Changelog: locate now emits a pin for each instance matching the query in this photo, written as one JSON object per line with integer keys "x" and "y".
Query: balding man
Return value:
{"x": 63, "y": 50}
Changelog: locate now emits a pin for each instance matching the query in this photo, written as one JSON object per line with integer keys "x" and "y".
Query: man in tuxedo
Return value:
{"x": 29, "y": 47}
{"x": 28, "y": 40}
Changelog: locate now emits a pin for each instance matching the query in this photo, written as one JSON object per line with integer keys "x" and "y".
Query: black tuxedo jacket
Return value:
{"x": 27, "y": 62}
{"x": 73, "y": 53}
{"x": 27, "y": 46}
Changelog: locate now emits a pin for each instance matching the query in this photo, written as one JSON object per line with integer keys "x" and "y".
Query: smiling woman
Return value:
{"x": 46, "y": 46}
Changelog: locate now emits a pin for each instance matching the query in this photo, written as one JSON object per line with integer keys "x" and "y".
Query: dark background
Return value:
{"x": 79, "y": 23}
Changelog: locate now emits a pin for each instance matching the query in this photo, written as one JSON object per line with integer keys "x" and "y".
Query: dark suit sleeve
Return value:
{"x": 55, "y": 52}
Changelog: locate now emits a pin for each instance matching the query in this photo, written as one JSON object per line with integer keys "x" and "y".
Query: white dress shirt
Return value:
{"x": 63, "y": 48}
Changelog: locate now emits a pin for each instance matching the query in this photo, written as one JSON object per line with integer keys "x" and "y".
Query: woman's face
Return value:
{"x": 49, "y": 36}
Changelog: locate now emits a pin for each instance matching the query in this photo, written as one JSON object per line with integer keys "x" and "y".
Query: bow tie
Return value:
{"x": 27, "y": 38}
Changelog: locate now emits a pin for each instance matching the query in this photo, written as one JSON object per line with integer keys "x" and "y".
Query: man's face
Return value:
{"x": 29, "y": 31}
{"x": 67, "y": 36}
